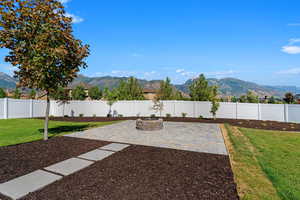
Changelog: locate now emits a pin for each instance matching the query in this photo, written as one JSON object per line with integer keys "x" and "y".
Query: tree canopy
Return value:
{"x": 95, "y": 93}
{"x": 78, "y": 93}
{"x": 166, "y": 91}
{"x": 41, "y": 45}
{"x": 2, "y": 93}
{"x": 130, "y": 90}
{"x": 200, "y": 90}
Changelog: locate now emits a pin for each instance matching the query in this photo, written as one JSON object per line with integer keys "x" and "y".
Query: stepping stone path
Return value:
{"x": 69, "y": 166}
{"x": 21, "y": 186}
{"x": 114, "y": 147}
{"x": 96, "y": 155}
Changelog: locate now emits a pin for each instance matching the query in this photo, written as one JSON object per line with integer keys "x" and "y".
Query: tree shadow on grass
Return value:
{"x": 65, "y": 129}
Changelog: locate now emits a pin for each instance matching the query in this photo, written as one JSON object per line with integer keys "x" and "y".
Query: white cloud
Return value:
{"x": 75, "y": 19}
{"x": 221, "y": 73}
{"x": 291, "y": 49}
{"x": 292, "y": 71}
{"x": 179, "y": 70}
{"x": 64, "y": 1}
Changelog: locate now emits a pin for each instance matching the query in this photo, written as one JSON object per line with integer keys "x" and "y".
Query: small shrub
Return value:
{"x": 183, "y": 115}
{"x": 66, "y": 115}
{"x": 51, "y": 116}
{"x": 152, "y": 115}
{"x": 200, "y": 117}
{"x": 120, "y": 115}
{"x": 81, "y": 115}
{"x": 94, "y": 115}
{"x": 168, "y": 115}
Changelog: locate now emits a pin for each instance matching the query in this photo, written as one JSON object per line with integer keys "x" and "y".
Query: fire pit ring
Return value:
{"x": 149, "y": 124}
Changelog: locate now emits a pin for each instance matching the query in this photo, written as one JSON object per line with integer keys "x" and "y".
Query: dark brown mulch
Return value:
{"x": 18, "y": 160}
{"x": 267, "y": 125}
{"x": 146, "y": 173}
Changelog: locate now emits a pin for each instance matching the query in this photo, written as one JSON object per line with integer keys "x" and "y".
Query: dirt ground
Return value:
{"x": 137, "y": 172}
{"x": 259, "y": 124}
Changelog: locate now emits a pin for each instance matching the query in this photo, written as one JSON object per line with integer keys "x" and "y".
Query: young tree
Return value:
{"x": 41, "y": 44}
{"x": 17, "y": 94}
{"x": 251, "y": 97}
{"x": 272, "y": 100}
{"x": 32, "y": 94}
{"x": 130, "y": 90}
{"x": 214, "y": 101}
{"x": 165, "y": 90}
{"x": 288, "y": 97}
{"x": 78, "y": 93}
{"x": 199, "y": 89}
{"x": 111, "y": 96}
{"x": 234, "y": 99}
{"x": 95, "y": 93}
{"x": 2, "y": 93}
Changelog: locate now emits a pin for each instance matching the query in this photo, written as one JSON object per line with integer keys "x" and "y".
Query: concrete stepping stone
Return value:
{"x": 21, "y": 186}
{"x": 96, "y": 155}
{"x": 69, "y": 166}
{"x": 114, "y": 147}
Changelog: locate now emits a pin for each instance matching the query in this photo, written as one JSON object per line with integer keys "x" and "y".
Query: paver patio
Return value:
{"x": 196, "y": 137}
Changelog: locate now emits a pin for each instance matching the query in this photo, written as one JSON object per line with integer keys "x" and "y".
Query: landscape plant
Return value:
{"x": 111, "y": 97}
{"x": 289, "y": 98}
{"x": 78, "y": 93}
{"x": 158, "y": 106}
{"x": 130, "y": 90}
{"x": 32, "y": 94}
{"x": 214, "y": 101}
{"x": 2, "y": 93}
{"x": 40, "y": 40}
{"x": 16, "y": 94}
{"x": 95, "y": 93}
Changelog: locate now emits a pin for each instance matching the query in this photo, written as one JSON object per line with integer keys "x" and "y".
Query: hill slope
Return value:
{"x": 227, "y": 86}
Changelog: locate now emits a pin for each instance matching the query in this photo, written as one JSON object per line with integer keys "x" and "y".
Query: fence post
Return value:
{"x": 259, "y": 111}
{"x": 236, "y": 110}
{"x": 286, "y": 112}
{"x": 174, "y": 108}
{"x": 31, "y": 109}
{"x": 5, "y": 109}
{"x": 194, "y": 109}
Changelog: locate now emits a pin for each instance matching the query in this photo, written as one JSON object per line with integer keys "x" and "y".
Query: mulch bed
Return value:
{"x": 18, "y": 160}
{"x": 140, "y": 172}
{"x": 259, "y": 124}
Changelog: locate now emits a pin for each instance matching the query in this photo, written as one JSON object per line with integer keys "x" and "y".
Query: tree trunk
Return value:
{"x": 47, "y": 118}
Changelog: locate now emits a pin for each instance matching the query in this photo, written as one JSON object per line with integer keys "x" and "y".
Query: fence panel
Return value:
{"x": 38, "y": 108}
{"x": 87, "y": 108}
{"x": 202, "y": 108}
{"x": 168, "y": 108}
{"x": 125, "y": 108}
{"x": 1, "y": 108}
{"x": 184, "y": 107}
{"x": 144, "y": 108}
{"x": 18, "y": 108}
{"x": 274, "y": 112}
{"x": 247, "y": 111}
{"x": 293, "y": 113}
{"x": 227, "y": 110}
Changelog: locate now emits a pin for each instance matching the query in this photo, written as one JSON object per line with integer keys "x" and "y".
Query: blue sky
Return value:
{"x": 254, "y": 40}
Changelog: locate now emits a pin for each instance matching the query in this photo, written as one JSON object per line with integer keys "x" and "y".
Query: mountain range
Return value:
{"x": 227, "y": 86}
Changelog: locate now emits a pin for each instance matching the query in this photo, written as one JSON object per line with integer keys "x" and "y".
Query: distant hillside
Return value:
{"x": 7, "y": 81}
{"x": 237, "y": 87}
{"x": 227, "y": 86}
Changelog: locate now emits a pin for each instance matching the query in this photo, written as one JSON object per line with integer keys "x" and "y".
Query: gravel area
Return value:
{"x": 140, "y": 172}
{"x": 18, "y": 160}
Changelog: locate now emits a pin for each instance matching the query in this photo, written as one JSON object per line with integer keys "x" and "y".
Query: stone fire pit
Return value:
{"x": 149, "y": 124}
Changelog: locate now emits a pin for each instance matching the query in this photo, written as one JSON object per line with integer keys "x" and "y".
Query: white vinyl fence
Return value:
{"x": 12, "y": 108}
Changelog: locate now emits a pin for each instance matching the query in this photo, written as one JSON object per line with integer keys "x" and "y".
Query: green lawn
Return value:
{"x": 279, "y": 157}
{"x": 266, "y": 164}
{"x": 16, "y": 131}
